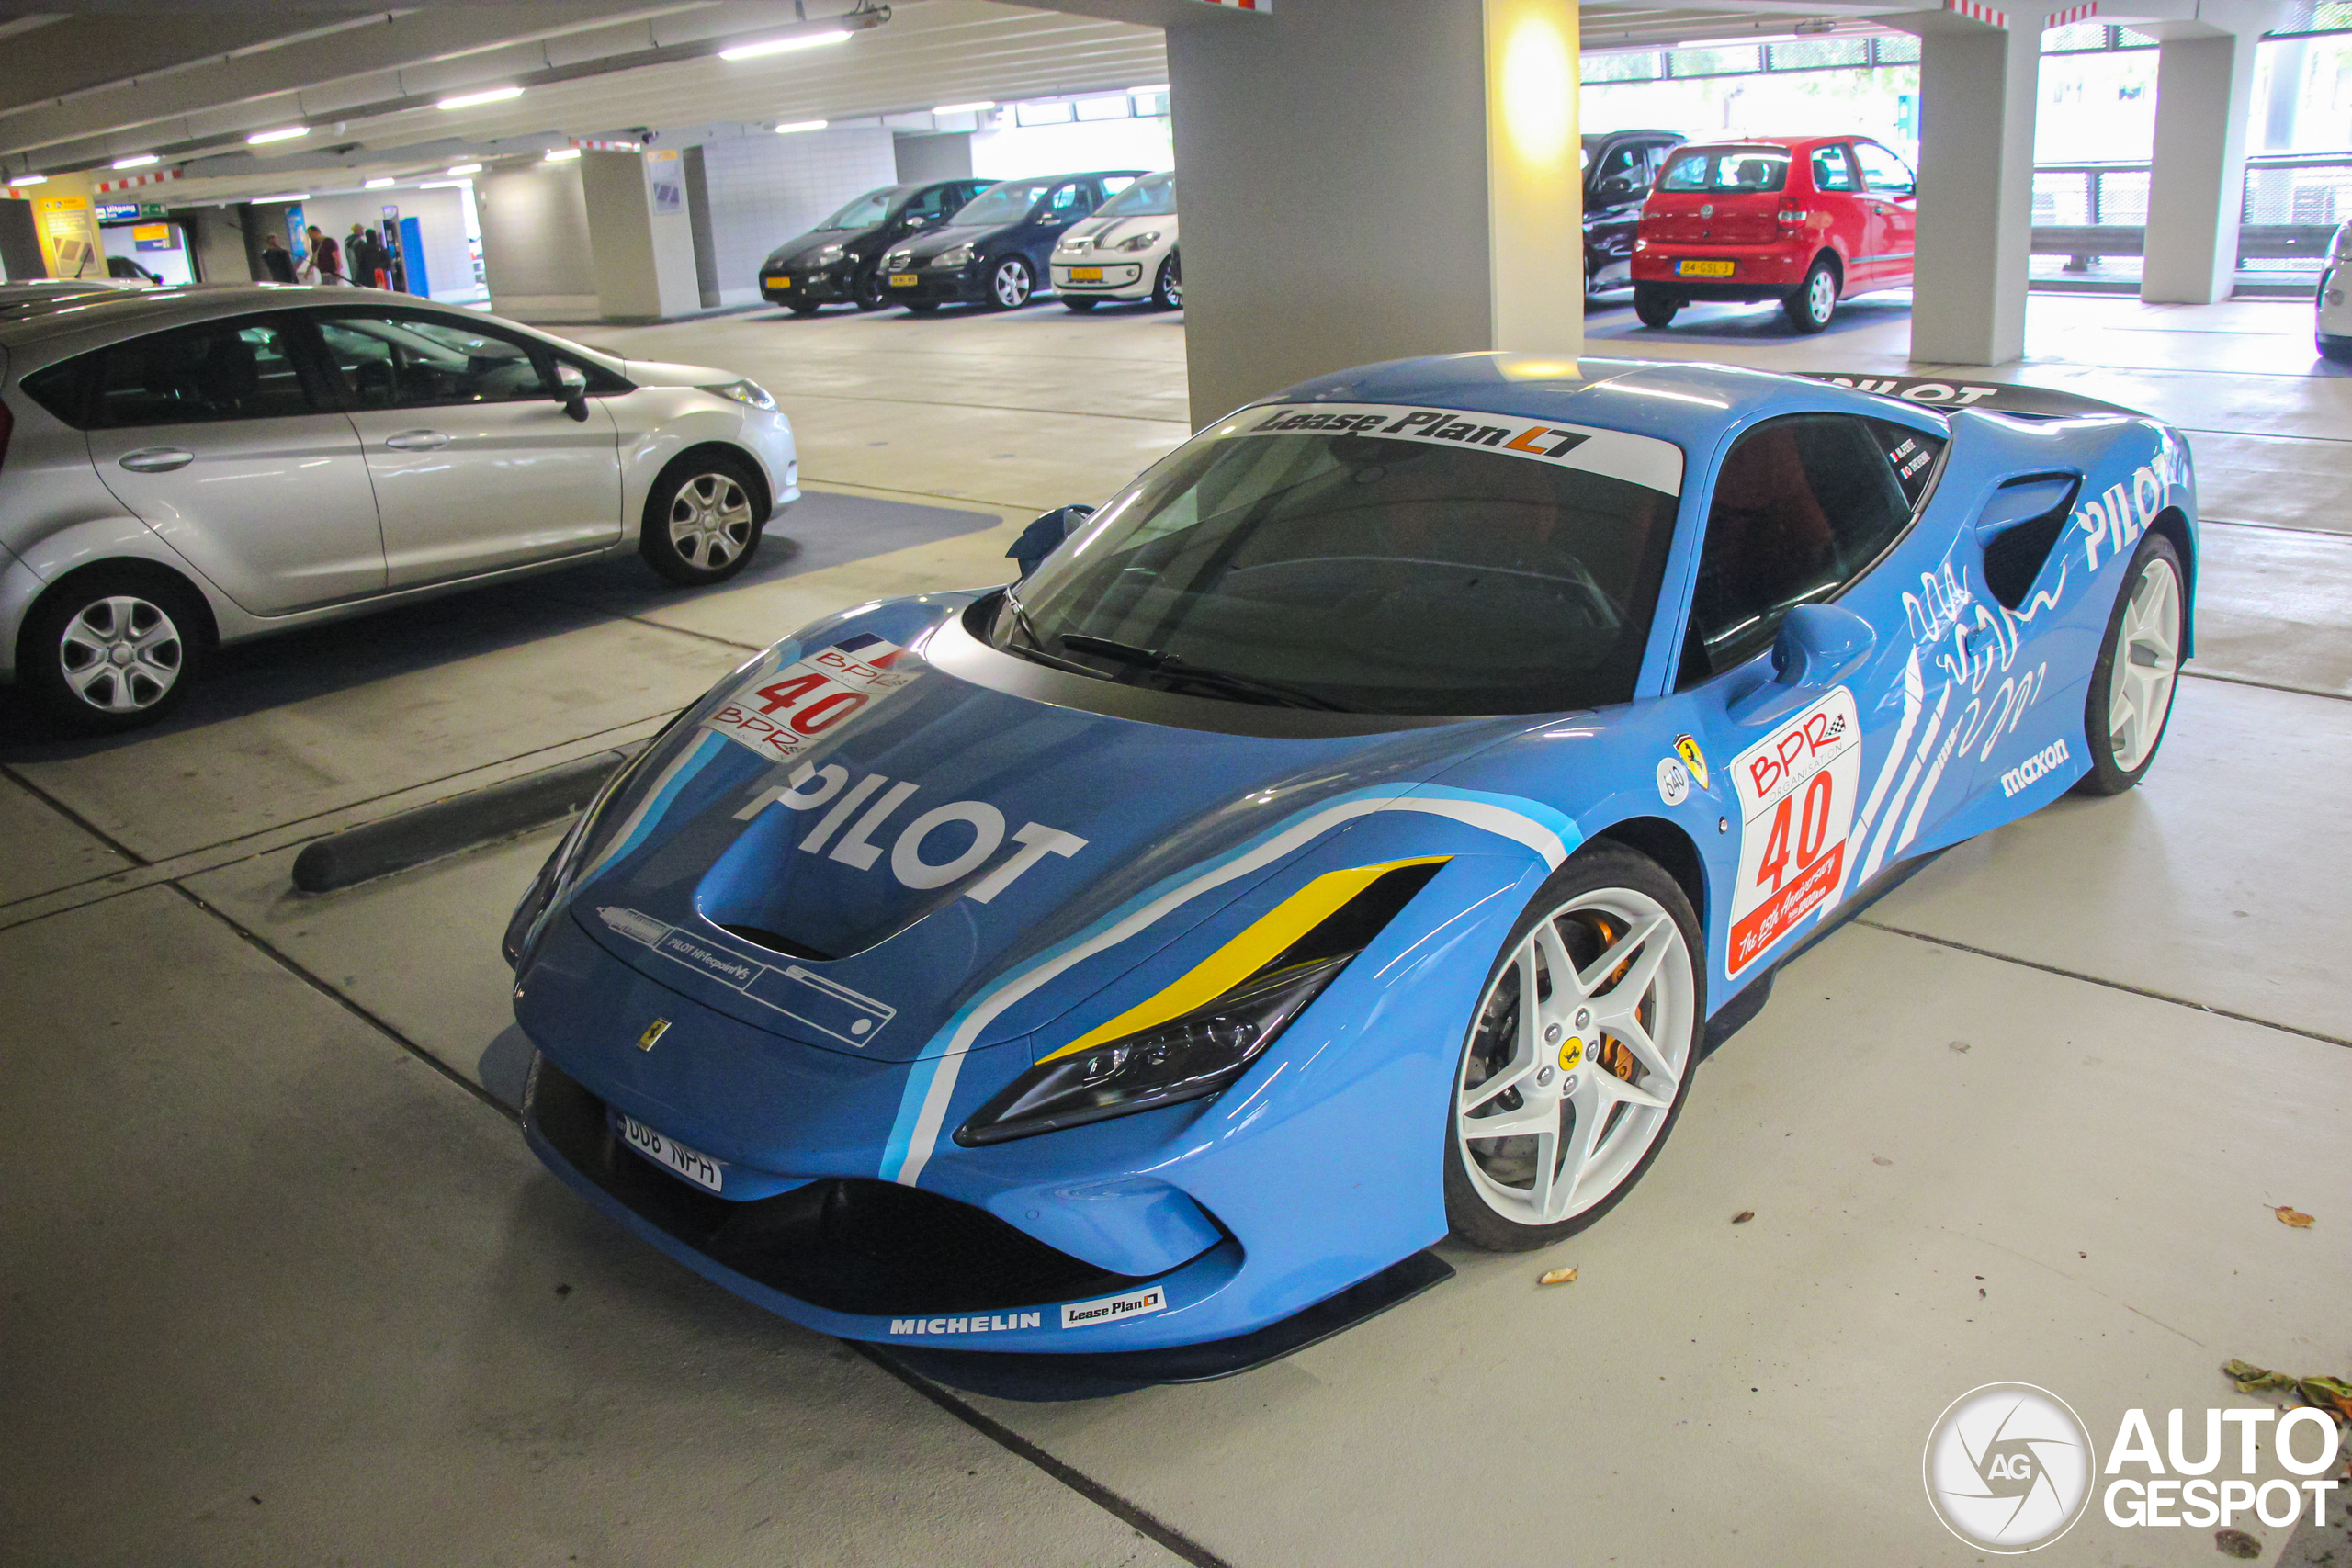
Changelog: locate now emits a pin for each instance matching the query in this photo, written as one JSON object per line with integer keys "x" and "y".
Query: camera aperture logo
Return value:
{"x": 2009, "y": 1467}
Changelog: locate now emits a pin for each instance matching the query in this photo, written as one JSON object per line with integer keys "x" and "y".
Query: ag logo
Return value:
{"x": 2009, "y": 1467}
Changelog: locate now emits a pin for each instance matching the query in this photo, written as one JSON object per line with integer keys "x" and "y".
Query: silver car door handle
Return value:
{"x": 157, "y": 459}
{"x": 417, "y": 440}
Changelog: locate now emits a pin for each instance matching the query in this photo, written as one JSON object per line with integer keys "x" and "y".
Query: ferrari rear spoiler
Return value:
{"x": 1992, "y": 397}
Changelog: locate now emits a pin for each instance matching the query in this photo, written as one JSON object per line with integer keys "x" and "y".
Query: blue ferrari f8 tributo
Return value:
{"x": 1355, "y": 834}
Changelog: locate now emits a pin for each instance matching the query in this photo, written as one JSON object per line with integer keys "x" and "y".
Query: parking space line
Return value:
{"x": 133, "y": 856}
{"x": 1078, "y": 1481}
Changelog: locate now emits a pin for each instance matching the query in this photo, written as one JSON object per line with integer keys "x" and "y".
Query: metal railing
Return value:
{"x": 2293, "y": 203}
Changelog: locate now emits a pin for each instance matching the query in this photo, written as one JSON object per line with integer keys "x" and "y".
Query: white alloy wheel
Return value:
{"x": 1821, "y": 294}
{"x": 1577, "y": 1057}
{"x": 121, "y": 654}
{"x": 1011, "y": 283}
{"x": 711, "y": 521}
{"x": 2145, "y": 665}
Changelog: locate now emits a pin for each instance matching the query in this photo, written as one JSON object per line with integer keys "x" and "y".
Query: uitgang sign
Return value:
{"x": 1797, "y": 790}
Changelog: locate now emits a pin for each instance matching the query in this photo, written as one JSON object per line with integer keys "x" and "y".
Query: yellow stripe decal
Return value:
{"x": 1246, "y": 954}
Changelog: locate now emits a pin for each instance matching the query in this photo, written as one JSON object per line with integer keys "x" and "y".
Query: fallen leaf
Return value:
{"x": 2251, "y": 1379}
{"x": 1880, "y": 1159}
{"x": 2236, "y": 1543}
{"x": 1960, "y": 1045}
{"x": 2292, "y": 1216}
{"x": 1743, "y": 1216}
{"x": 2331, "y": 1394}
{"x": 1558, "y": 1276}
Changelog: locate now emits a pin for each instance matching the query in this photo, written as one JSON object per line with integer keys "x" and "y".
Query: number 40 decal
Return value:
{"x": 1796, "y": 789}
{"x": 817, "y": 716}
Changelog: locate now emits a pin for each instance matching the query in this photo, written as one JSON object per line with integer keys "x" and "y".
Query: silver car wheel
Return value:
{"x": 1575, "y": 1057}
{"x": 2145, "y": 665}
{"x": 1172, "y": 283}
{"x": 1821, "y": 299}
{"x": 1011, "y": 283}
{"x": 121, "y": 654}
{"x": 711, "y": 521}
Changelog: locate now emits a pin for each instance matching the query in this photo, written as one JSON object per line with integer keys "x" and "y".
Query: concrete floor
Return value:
{"x": 280, "y": 1282}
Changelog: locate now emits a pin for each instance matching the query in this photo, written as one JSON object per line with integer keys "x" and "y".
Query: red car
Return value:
{"x": 1803, "y": 220}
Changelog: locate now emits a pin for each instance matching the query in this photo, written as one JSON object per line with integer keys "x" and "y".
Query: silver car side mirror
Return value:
{"x": 572, "y": 390}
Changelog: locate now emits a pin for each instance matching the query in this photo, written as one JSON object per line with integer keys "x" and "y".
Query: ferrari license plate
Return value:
{"x": 903, "y": 280}
{"x": 1086, "y": 275}
{"x": 777, "y": 282}
{"x": 1702, "y": 269}
{"x": 692, "y": 1163}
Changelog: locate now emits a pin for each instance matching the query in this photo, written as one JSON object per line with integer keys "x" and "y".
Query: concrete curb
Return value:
{"x": 445, "y": 827}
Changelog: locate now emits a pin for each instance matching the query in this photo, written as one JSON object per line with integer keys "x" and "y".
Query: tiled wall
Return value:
{"x": 764, "y": 189}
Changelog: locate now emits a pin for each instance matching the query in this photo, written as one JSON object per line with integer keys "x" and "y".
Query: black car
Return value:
{"x": 836, "y": 262}
{"x": 994, "y": 251}
{"x": 1620, "y": 166}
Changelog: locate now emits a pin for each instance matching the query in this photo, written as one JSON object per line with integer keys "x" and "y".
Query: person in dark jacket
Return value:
{"x": 277, "y": 260}
{"x": 370, "y": 263}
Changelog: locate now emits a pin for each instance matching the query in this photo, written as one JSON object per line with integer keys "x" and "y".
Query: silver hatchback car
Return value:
{"x": 183, "y": 467}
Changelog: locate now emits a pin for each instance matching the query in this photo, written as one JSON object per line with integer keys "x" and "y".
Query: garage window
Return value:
{"x": 1802, "y": 506}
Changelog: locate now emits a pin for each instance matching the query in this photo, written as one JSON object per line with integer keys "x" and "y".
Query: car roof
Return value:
{"x": 1789, "y": 143}
{"x": 1683, "y": 402}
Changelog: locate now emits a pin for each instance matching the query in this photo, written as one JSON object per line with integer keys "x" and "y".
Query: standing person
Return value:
{"x": 369, "y": 264}
{"x": 326, "y": 257}
{"x": 277, "y": 260}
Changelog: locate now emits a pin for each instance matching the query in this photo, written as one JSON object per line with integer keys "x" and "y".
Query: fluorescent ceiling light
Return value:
{"x": 981, "y": 107}
{"x": 560, "y": 154}
{"x": 490, "y": 95}
{"x": 379, "y": 183}
{"x": 22, "y": 179}
{"x": 136, "y": 161}
{"x": 289, "y": 196}
{"x": 456, "y": 169}
{"x": 778, "y": 45}
{"x": 283, "y": 133}
{"x": 441, "y": 185}
{"x": 792, "y": 126}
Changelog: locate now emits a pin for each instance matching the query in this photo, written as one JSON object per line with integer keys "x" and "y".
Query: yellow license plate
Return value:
{"x": 1702, "y": 269}
{"x": 903, "y": 280}
{"x": 1086, "y": 275}
{"x": 777, "y": 282}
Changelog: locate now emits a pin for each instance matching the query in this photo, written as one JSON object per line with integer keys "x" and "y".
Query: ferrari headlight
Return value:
{"x": 1139, "y": 242}
{"x": 749, "y": 392}
{"x": 954, "y": 255}
{"x": 1190, "y": 1057}
{"x": 555, "y": 877}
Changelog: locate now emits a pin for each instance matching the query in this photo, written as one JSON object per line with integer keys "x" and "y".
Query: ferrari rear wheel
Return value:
{"x": 2139, "y": 668}
{"x": 1578, "y": 1053}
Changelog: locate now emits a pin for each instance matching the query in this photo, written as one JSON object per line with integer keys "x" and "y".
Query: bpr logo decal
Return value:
{"x": 2009, "y": 1467}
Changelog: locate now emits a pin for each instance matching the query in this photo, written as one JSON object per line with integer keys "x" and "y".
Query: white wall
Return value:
{"x": 1015, "y": 152}
{"x": 766, "y": 188}
{"x": 534, "y": 243}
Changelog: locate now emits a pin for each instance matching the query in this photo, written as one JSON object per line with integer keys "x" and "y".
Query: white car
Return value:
{"x": 1127, "y": 251}
{"x": 2334, "y": 334}
{"x": 183, "y": 467}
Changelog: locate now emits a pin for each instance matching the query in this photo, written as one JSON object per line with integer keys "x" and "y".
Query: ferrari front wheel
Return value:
{"x": 2139, "y": 666}
{"x": 1578, "y": 1055}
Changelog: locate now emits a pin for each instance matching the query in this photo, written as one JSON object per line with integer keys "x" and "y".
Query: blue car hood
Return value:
{"x": 858, "y": 908}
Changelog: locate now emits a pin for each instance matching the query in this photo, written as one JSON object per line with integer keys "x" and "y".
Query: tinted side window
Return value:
{"x": 937, "y": 202}
{"x": 1884, "y": 171}
{"x": 402, "y": 362}
{"x": 1802, "y": 505}
{"x": 233, "y": 369}
{"x": 1622, "y": 162}
{"x": 1068, "y": 201}
{"x": 1831, "y": 171}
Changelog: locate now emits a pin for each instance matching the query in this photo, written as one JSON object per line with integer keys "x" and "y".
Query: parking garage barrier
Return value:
{"x": 445, "y": 827}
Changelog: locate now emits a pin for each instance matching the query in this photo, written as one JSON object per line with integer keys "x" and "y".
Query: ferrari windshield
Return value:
{"x": 864, "y": 212}
{"x": 1371, "y": 559}
{"x": 1007, "y": 203}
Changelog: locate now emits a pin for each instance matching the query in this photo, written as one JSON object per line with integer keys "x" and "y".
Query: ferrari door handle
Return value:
{"x": 417, "y": 441}
{"x": 157, "y": 459}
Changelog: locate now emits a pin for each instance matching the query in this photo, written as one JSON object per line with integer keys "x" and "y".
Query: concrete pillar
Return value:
{"x": 536, "y": 249}
{"x": 1977, "y": 87}
{"x": 2196, "y": 183}
{"x": 641, "y": 242}
{"x": 1369, "y": 179}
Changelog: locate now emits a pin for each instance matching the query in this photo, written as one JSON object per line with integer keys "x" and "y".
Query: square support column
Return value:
{"x": 1977, "y": 86}
{"x": 641, "y": 244}
{"x": 1371, "y": 179}
{"x": 2197, "y": 181}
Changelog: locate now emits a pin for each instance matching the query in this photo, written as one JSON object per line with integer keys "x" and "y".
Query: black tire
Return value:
{"x": 1167, "y": 287}
{"x": 1810, "y": 305}
{"x": 2337, "y": 348}
{"x": 1011, "y": 284}
{"x": 151, "y": 609}
{"x": 872, "y": 291}
{"x": 922, "y": 307}
{"x": 1655, "y": 307}
{"x": 803, "y": 307}
{"x": 702, "y": 518}
{"x": 1081, "y": 306}
{"x": 1608, "y": 871}
{"x": 2108, "y": 776}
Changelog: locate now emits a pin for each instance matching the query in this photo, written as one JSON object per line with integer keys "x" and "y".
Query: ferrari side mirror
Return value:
{"x": 1820, "y": 645}
{"x": 1043, "y": 536}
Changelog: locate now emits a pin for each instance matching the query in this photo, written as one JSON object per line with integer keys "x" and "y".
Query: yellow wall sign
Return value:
{"x": 68, "y": 237}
